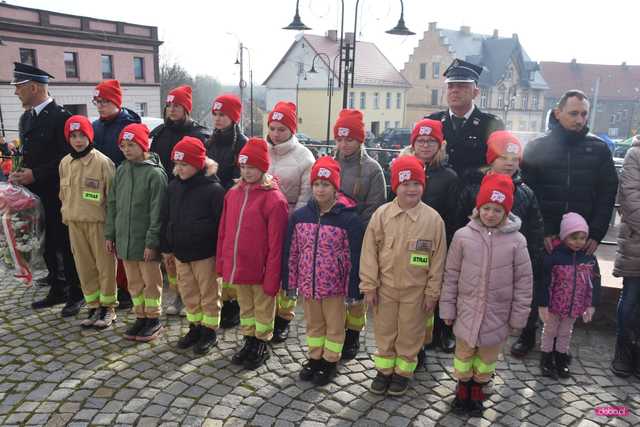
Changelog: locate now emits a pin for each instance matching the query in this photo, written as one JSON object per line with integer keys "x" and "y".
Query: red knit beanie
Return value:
{"x": 349, "y": 124}
{"x": 136, "y": 132}
{"x": 181, "y": 96}
{"x": 326, "y": 168}
{"x": 229, "y": 105}
{"x": 255, "y": 153}
{"x": 285, "y": 113}
{"x": 407, "y": 168}
{"x": 111, "y": 91}
{"x": 502, "y": 142}
{"x": 80, "y": 123}
{"x": 496, "y": 188}
{"x": 427, "y": 127}
{"x": 190, "y": 150}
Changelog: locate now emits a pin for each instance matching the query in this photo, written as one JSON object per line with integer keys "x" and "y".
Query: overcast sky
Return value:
{"x": 203, "y": 35}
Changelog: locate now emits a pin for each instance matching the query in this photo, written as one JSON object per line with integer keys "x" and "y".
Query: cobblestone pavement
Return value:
{"x": 54, "y": 373}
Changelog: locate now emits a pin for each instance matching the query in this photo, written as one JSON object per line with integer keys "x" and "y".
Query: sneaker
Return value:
{"x": 548, "y": 365}
{"x": 230, "y": 314}
{"x": 175, "y": 307}
{"x": 326, "y": 372}
{"x": 107, "y": 317}
{"x": 260, "y": 353}
{"x": 191, "y": 338}
{"x": 134, "y": 330}
{"x": 241, "y": 355}
{"x": 208, "y": 340}
{"x": 309, "y": 368}
{"x": 380, "y": 384}
{"x": 151, "y": 330}
{"x": 460, "y": 404}
{"x": 351, "y": 345}
{"x": 280, "y": 330}
{"x": 92, "y": 316}
{"x": 476, "y": 400}
{"x": 562, "y": 364}
{"x": 398, "y": 386}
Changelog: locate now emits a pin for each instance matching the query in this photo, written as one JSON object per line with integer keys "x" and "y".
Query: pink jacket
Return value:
{"x": 251, "y": 234}
{"x": 488, "y": 282}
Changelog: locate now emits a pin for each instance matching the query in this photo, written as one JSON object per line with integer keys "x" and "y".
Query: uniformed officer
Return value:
{"x": 42, "y": 147}
{"x": 466, "y": 128}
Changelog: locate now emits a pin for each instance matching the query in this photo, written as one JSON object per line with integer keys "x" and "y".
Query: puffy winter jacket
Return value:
{"x": 627, "y": 262}
{"x": 190, "y": 217}
{"x": 322, "y": 252}
{"x": 525, "y": 207}
{"x": 571, "y": 282}
{"x": 291, "y": 163}
{"x": 488, "y": 283}
{"x": 224, "y": 147}
{"x": 133, "y": 207}
{"x": 571, "y": 172}
{"x": 361, "y": 179}
{"x": 168, "y": 134}
{"x": 251, "y": 235}
{"x": 106, "y": 134}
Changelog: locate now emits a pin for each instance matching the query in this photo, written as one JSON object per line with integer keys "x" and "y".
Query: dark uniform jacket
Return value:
{"x": 571, "y": 172}
{"x": 168, "y": 134}
{"x": 467, "y": 147}
{"x": 224, "y": 147}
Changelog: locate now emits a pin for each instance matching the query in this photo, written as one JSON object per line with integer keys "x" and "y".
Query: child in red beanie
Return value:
{"x": 249, "y": 250}
{"x": 401, "y": 269}
{"x": 487, "y": 289}
{"x": 85, "y": 178}
{"x": 133, "y": 227}
{"x": 190, "y": 217}
{"x": 322, "y": 257}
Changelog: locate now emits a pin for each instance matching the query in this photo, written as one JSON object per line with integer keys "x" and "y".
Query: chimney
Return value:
{"x": 465, "y": 29}
{"x": 433, "y": 26}
{"x": 495, "y": 34}
{"x": 332, "y": 35}
{"x": 348, "y": 38}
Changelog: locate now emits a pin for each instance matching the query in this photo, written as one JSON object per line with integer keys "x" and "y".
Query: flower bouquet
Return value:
{"x": 21, "y": 230}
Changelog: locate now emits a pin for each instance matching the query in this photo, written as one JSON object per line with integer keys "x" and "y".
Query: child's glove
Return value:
{"x": 587, "y": 316}
{"x": 292, "y": 294}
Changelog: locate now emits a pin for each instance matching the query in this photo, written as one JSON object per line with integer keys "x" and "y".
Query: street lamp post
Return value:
{"x": 242, "y": 84}
{"x": 330, "y": 76}
{"x": 510, "y": 102}
{"x": 347, "y": 51}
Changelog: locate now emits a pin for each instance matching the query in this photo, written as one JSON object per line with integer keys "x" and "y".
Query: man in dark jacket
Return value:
{"x": 571, "y": 170}
{"x": 466, "y": 128}
{"x": 43, "y": 145}
{"x": 113, "y": 118}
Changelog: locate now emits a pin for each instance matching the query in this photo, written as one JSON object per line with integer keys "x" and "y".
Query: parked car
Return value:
{"x": 395, "y": 138}
{"x": 305, "y": 139}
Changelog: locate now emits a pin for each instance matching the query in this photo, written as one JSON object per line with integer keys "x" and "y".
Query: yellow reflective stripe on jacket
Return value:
{"x": 92, "y": 297}
{"x": 285, "y": 302}
{"x": 108, "y": 299}
{"x": 139, "y": 300}
{"x": 152, "y": 302}
{"x": 384, "y": 362}
{"x": 247, "y": 321}
{"x": 212, "y": 321}
{"x": 264, "y": 327}
{"x": 430, "y": 321}
{"x": 356, "y": 321}
{"x": 194, "y": 317}
{"x": 333, "y": 346}
{"x": 483, "y": 368}
{"x": 405, "y": 366}
{"x": 461, "y": 366}
{"x": 315, "y": 341}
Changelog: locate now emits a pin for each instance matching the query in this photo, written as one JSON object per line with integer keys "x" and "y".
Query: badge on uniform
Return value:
{"x": 476, "y": 121}
{"x": 92, "y": 196}
{"x": 92, "y": 183}
{"x": 419, "y": 260}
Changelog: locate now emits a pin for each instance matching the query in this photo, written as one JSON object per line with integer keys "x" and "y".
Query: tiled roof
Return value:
{"x": 617, "y": 82}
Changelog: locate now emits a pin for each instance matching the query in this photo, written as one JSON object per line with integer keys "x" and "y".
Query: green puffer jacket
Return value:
{"x": 133, "y": 207}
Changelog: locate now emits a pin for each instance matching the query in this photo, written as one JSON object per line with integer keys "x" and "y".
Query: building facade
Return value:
{"x": 511, "y": 85}
{"x": 379, "y": 88}
{"x": 79, "y": 52}
{"x": 614, "y": 92}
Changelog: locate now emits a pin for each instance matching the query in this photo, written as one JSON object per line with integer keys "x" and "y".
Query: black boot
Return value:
{"x": 134, "y": 330}
{"x": 380, "y": 383}
{"x": 351, "y": 345}
{"x": 525, "y": 343}
{"x": 460, "y": 404}
{"x": 191, "y": 337}
{"x": 280, "y": 330}
{"x": 476, "y": 400}
{"x": 151, "y": 331}
{"x": 208, "y": 340}
{"x": 623, "y": 359}
{"x": 230, "y": 314}
{"x": 562, "y": 364}
{"x": 422, "y": 358}
{"x": 309, "y": 368}
{"x": 241, "y": 355}
{"x": 447, "y": 340}
{"x": 547, "y": 365}
{"x": 50, "y": 300}
{"x": 399, "y": 385}
{"x": 326, "y": 373}
{"x": 259, "y": 354}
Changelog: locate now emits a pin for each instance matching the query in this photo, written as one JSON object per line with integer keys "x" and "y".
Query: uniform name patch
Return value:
{"x": 91, "y": 195}
{"x": 419, "y": 260}
{"x": 91, "y": 183}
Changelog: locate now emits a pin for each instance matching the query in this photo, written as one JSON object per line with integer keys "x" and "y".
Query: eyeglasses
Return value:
{"x": 430, "y": 143}
{"x": 97, "y": 101}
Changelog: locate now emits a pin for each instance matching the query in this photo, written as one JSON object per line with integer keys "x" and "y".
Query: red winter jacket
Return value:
{"x": 251, "y": 234}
